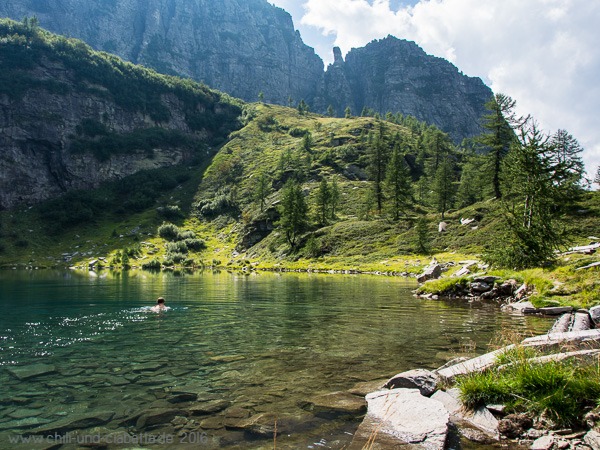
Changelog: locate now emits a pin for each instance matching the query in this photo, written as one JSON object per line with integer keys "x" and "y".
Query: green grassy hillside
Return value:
{"x": 29, "y": 53}
{"x": 217, "y": 202}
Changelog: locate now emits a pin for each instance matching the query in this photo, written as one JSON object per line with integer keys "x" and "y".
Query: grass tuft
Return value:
{"x": 558, "y": 391}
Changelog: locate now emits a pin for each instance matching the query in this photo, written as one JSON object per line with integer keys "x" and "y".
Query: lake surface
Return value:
{"x": 234, "y": 354}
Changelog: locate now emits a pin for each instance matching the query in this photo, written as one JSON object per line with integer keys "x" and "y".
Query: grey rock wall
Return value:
{"x": 244, "y": 47}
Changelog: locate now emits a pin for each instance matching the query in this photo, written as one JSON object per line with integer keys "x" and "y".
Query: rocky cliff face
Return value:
{"x": 398, "y": 76}
{"x": 249, "y": 46}
{"x": 62, "y": 130}
{"x": 242, "y": 47}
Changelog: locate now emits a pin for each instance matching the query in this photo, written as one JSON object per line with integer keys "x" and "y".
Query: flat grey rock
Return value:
{"x": 158, "y": 417}
{"x": 29, "y": 422}
{"x": 211, "y": 407}
{"x": 338, "y": 402}
{"x": 484, "y": 420}
{"x": 592, "y": 438}
{"x": 31, "y": 371}
{"x": 556, "y": 310}
{"x": 450, "y": 400}
{"x": 543, "y": 443}
{"x": 75, "y": 423}
{"x": 403, "y": 418}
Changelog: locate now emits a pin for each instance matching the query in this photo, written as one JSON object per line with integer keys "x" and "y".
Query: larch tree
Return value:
{"x": 443, "y": 185}
{"x": 335, "y": 197}
{"x": 538, "y": 181}
{"x": 500, "y": 123}
{"x": 323, "y": 201}
{"x": 398, "y": 184}
{"x": 262, "y": 189}
{"x": 378, "y": 156}
{"x": 293, "y": 210}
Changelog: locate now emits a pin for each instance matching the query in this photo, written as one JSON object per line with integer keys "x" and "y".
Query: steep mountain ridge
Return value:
{"x": 71, "y": 118}
{"x": 241, "y": 47}
{"x": 397, "y": 75}
{"x": 245, "y": 47}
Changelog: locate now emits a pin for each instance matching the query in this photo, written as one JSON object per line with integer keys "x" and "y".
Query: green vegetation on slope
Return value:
{"x": 25, "y": 47}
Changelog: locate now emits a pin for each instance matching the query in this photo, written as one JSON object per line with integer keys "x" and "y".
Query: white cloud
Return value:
{"x": 543, "y": 53}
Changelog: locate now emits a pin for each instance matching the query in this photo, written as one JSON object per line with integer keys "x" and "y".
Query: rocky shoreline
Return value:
{"x": 411, "y": 410}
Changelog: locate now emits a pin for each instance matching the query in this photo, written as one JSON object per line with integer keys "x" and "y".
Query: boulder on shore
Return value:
{"x": 402, "y": 418}
{"x": 432, "y": 272}
{"x": 423, "y": 380}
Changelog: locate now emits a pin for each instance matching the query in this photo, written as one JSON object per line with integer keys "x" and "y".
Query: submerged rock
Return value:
{"x": 211, "y": 407}
{"x": 158, "y": 417}
{"x": 336, "y": 403}
{"x": 34, "y": 370}
{"x": 29, "y": 422}
{"x": 76, "y": 423}
{"x": 403, "y": 418}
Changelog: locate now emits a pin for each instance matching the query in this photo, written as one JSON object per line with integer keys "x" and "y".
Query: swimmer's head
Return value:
{"x": 160, "y": 301}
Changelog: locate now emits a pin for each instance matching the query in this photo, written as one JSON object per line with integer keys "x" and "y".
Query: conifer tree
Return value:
{"x": 398, "y": 183}
{"x": 499, "y": 123}
{"x": 293, "y": 210}
{"x": 470, "y": 189}
{"x": 335, "y": 197}
{"x": 348, "y": 113}
{"x": 537, "y": 187}
{"x": 303, "y": 107}
{"x": 330, "y": 111}
{"x": 323, "y": 200}
{"x": 378, "y": 156}
{"x": 263, "y": 189}
{"x": 422, "y": 229}
{"x": 443, "y": 186}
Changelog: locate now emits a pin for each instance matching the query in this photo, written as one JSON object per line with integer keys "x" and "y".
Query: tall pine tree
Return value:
{"x": 398, "y": 184}
{"x": 293, "y": 210}
{"x": 499, "y": 124}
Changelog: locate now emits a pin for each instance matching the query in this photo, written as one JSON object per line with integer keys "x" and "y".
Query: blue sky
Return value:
{"x": 543, "y": 53}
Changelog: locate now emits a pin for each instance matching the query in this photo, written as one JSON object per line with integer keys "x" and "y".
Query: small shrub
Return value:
{"x": 560, "y": 391}
{"x": 154, "y": 264}
{"x": 312, "y": 249}
{"x": 168, "y": 231}
{"x": 177, "y": 257}
{"x": 184, "y": 235}
{"x": 170, "y": 212}
{"x": 133, "y": 252}
{"x": 176, "y": 247}
{"x": 195, "y": 244}
{"x": 190, "y": 262}
{"x": 298, "y": 132}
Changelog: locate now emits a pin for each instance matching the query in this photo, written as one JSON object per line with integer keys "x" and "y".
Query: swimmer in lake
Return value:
{"x": 160, "y": 305}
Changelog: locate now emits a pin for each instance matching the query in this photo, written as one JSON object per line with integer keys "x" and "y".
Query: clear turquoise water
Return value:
{"x": 266, "y": 343}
